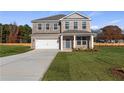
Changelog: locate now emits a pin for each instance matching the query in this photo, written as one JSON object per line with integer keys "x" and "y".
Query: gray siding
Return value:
{"x": 44, "y": 30}
{"x": 72, "y": 18}
{"x": 71, "y": 25}
{"x": 78, "y": 18}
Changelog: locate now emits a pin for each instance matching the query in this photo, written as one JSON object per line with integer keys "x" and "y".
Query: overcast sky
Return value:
{"x": 99, "y": 18}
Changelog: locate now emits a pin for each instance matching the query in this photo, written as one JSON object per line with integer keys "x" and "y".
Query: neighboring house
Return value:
{"x": 62, "y": 32}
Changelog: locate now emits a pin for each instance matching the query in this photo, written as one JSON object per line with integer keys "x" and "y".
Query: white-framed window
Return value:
{"x": 67, "y": 25}
{"x": 39, "y": 26}
{"x": 78, "y": 42}
{"x": 84, "y": 25}
{"x": 75, "y": 25}
{"x": 84, "y": 42}
{"x": 78, "y": 38}
{"x": 81, "y": 40}
{"x": 55, "y": 26}
{"x": 84, "y": 38}
{"x": 47, "y": 27}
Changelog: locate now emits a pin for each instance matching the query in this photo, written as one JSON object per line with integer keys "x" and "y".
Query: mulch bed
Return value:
{"x": 118, "y": 72}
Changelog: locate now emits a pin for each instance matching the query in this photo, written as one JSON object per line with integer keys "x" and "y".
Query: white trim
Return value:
{"x": 92, "y": 41}
{"x": 61, "y": 41}
{"x": 54, "y": 26}
{"x": 77, "y": 25}
{"x": 65, "y": 25}
{"x": 65, "y": 42}
{"x": 74, "y": 42}
{"x": 74, "y": 13}
{"x": 40, "y": 26}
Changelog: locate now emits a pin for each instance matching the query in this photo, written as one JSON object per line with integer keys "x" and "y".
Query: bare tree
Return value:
{"x": 13, "y": 33}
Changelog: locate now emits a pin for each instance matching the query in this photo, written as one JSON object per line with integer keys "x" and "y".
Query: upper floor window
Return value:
{"x": 47, "y": 26}
{"x": 67, "y": 25}
{"x": 55, "y": 26}
{"x": 83, "y": 25}
{"x": 75, "y": 25}
{"x": 39, "y": 26}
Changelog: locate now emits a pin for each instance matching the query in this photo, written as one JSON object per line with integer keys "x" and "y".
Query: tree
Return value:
{"x": 1, "y": 27}
{"x": 25, "y": 33}
{"x": 13, "y": 28}
{"x": 5, "y": 33}
{"x": 12, "y": 33}
{"x": 110, "y": 33}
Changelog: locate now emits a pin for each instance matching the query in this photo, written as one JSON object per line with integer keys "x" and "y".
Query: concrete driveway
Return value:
{"x": 29, "y": 66}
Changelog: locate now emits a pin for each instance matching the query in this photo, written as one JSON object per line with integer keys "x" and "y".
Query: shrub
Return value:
{"x": 85, "y": 50}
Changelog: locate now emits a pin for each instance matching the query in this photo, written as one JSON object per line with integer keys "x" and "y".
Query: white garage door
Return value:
{"x": 47, "y": 44}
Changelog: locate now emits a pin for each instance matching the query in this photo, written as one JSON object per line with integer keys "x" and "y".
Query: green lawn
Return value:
{"x": 6, "y": 50}
{"x": 85, "y": 65}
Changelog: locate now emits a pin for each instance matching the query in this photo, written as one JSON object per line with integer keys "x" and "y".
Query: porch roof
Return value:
{"x": 74, "y": 32}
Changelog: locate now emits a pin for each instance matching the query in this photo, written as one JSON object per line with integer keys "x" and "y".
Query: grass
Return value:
{"x": 79, "y": 66}
{"x": 6, "y": 50}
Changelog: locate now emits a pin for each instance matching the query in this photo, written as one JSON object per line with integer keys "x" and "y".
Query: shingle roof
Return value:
{"x": 55, "y": 17}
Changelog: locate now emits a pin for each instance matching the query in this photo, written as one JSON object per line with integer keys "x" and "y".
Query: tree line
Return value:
{"x": 12, "y": 33}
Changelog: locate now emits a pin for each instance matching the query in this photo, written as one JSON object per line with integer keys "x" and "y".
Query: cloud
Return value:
{"x": 95, "y": 14}
{"x": 94, "y": 27}
{"x": 115, "y": 21}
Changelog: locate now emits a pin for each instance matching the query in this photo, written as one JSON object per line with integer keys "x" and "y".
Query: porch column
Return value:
{"x": 74, "y": 42}
{"x": 91, "y": 42}
{"x": 61, "y": 40}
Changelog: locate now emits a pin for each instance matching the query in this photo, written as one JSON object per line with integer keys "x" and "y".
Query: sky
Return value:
{"x": 99, "y": 19}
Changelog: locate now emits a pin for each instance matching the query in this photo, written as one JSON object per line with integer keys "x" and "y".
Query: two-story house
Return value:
{"x": 63, "y": 32}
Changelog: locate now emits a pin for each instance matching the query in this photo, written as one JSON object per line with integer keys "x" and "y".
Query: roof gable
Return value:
{"x": 75, "y": 15}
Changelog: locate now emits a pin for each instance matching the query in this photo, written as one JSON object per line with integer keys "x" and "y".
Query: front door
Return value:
{"x": 68, "y": 43}
{"x": 84, "y": 44}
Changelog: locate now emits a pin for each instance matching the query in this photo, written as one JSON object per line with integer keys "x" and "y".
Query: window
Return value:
{"x": 81, "y": 40}
{"x": 75, "y": 25}
{"x": 84, "y": 42}
{"x": 39, "y": 26}
{"x": 83, "y": 25}
{"x": 78, "y": 38}
{"x": 78, "y": 42}
{"x": 47, "y": 26}
{"x": 55, "y": 26}
{"x": 67, "y": 25}
{"x": 84, "y": 38}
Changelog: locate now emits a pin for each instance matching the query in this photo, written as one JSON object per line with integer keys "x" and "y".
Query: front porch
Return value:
{"x": 69, "y": 42}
